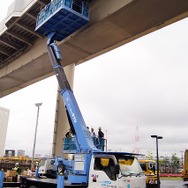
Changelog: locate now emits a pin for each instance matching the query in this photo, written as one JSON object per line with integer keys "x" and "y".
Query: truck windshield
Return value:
{"x": 130, "y": 167}
{"x": 42, "y": 162}
{"x": 151, "y": 166}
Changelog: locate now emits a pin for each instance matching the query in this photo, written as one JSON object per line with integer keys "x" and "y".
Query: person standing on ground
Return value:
{"x": 18, "y": 170}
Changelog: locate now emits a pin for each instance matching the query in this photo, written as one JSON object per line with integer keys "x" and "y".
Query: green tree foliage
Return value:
{"x": 167, "y": 164}
{"x": 175, "y": 162}
{"x": 150, "y": 156}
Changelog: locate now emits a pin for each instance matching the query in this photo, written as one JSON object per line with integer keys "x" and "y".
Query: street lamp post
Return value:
{"x": 158, "y": 177}
{"x": 34, "y": 142}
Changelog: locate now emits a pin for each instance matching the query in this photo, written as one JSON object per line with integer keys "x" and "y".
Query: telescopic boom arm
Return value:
{"x": 83, "y": 139}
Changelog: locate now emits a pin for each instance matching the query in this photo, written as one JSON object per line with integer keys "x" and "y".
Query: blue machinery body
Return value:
{"x": 58, "y": 20}
{"x": 62, "y": 17}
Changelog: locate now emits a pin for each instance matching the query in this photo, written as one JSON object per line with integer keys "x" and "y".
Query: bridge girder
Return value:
{"x": 24, "y": 59}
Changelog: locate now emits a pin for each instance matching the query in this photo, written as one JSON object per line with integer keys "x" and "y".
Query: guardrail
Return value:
{"x": 69, "y": 144}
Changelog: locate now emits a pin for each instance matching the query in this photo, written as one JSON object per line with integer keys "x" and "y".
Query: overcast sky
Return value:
{"x": 142, "y": 84}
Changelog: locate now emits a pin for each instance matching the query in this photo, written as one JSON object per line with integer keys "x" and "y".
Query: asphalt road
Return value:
{"x": 167, "y": 184}
{"x": 173, "y": 184}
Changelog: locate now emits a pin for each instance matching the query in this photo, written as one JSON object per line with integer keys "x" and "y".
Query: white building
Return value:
{"x": 4, "y": 116}
{"x": 20, "y": 153}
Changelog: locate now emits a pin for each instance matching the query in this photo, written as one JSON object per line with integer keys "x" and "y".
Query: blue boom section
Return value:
{"x": 83, "y": 139}
{"x": 63, "y": 17}
{"x": 58, "y": 20}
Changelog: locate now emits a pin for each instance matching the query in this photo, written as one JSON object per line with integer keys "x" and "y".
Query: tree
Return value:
{"x": 150, "y": 156}
{"x": 175, "y": 162}
{"x": 164, "y": 165}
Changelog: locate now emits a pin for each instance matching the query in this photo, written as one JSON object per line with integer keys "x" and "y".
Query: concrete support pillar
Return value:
{"x": 61, "y": 125}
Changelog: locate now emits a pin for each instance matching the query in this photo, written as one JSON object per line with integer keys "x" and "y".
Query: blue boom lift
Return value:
{"x": 90, "y": 166}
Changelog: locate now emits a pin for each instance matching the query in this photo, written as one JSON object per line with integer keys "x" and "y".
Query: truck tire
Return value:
{"x": 51, "y": 174}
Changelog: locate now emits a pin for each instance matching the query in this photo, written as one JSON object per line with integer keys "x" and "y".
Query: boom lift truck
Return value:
{"x": 90, "y": 166}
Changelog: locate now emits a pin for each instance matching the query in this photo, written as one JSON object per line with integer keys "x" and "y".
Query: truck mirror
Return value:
{"x": 52, "y": 162}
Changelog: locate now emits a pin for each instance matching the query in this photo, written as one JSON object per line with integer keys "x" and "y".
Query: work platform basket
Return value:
{"x": 63, "y": 17}
{"x": 70, "y": 147}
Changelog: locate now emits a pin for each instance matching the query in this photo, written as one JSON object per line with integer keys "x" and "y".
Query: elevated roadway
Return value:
{"x": 23, "y": 54}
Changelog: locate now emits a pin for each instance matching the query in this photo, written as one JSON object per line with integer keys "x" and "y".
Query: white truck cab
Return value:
{"x": 116, "y": 170}
{"x": 47, "y": 168}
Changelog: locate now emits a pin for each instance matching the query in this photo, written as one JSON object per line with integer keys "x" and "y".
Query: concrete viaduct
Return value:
{"x": 23, "y": 53}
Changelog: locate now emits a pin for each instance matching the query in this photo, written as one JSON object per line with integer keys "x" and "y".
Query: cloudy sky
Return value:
{"x": 142, "y": 84}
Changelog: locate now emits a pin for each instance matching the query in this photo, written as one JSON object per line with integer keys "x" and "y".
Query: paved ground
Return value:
{"x": 173, "y": 184}
{"x": 167, "y": 184}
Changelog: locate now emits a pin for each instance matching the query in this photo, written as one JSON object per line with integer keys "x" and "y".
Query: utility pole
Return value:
{"x": 35, "y": 136}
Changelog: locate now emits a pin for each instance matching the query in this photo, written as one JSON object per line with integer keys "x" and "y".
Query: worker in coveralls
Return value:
{"x": 18, "y": 171}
